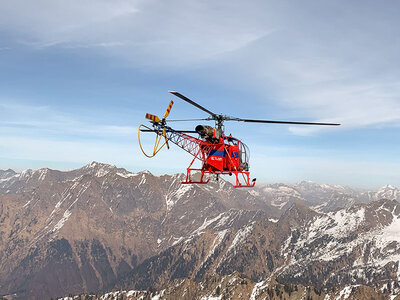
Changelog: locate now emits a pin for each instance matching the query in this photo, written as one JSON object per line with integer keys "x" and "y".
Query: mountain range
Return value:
{"x": 100, "y": 228}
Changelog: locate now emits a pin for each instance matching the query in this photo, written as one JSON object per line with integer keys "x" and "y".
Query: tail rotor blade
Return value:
{"x": 153, "y": 118}
{"x": 168, "y": 109}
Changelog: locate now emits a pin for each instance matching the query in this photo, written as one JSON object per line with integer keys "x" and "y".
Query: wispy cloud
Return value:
{"x": 147, "y": 32}
{"x": 306, "y": 61}
{"x": 321, "y": 70}
{"x": 322, "y": 67}
{"x": 17, "y": 118}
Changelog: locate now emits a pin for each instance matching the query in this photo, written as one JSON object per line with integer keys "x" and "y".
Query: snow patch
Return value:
{"x": 183, "y": 189}
{"x": 254, "y": 193}
{"x": 61, "y": 223}
{"x": 101, "y": 172}
{"x": 257, "y": 289}
{"x": 240, "y": 237}
{"x": 279, "y": 204}
{"x": 127, "y": 175}
{"x": 143, "y": 180}
{"x": 9, "y": 178}
{"x": 207, "y": 223}
{"x": 345, "y": 293}
{"x": 218, "y": 239}
{"x": 27, "y": 203}
{"x": 177, "y": 240}
{"x": 42, "y": 174}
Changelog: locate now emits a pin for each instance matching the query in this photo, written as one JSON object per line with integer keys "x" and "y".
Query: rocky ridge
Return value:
{"x": 101, "y": 227}
{"x": 84, "y": 229}
{"x": 236, "y": 286}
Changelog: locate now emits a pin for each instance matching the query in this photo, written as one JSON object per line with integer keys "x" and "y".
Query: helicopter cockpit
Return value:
{"x": 244, "y": 152}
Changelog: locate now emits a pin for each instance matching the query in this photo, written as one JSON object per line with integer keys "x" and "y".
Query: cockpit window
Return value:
{"x": 244, "y": 155}
{"x": 232, "y": 140}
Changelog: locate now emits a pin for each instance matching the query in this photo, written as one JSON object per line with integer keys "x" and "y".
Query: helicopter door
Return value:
{"x": 244, "y": 156}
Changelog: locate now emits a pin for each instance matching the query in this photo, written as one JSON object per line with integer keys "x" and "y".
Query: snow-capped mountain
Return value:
{"x": 321, "y": 197}
{"x": 101, "y": 227}
{"x": 4, "y": 174}
{"x": 97, "y": 223}
{"x": 355, "y": 246}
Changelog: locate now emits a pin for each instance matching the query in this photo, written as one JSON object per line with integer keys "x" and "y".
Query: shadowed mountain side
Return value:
{"x": 100, "y": 226}
{"x": 106, "y": 219}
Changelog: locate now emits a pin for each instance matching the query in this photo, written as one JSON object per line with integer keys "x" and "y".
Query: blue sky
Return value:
{"x": 77, "y": 78}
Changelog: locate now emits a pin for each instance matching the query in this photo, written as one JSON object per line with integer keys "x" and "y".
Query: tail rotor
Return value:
{"x": 158, "y": 129}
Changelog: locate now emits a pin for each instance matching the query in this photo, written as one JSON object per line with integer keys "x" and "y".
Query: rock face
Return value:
{"x": 101, "y": 227}
{"x": 355, "y": 246}
{"x": 68, "y": 232}
{"x": 236, "y": 286}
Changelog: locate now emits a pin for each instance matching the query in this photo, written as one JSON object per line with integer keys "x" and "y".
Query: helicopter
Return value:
{"x": 218, "y": 153}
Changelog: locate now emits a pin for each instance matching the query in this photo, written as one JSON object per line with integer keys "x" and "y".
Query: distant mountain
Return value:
{"x": 321, "y": 197}
{"x": 5, "y": 174}
{"x": 101, "y": 227}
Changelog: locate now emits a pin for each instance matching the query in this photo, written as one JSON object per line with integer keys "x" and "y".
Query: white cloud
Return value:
{"x": 333, "y": 62}
{"x": 320, "y": 69}
{"x": 23, "y": 119}
{"x": 149, "y": 32}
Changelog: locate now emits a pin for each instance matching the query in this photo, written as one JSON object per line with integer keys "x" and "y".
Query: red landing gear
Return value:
{"x": 245, "y": 176}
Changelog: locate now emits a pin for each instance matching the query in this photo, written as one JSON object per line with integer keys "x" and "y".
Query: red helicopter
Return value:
{"x": 218, "y": 153}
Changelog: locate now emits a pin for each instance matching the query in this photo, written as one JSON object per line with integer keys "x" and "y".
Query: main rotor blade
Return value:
{"x": 192, "y": 102}
{"x": 282, "y": 122}
{"x": 179, "y": 131}
{"x": 188, "y": 120}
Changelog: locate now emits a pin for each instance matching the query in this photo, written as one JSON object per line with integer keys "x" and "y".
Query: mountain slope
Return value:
{"x": 358, "y": 245}
{"x": 96, "y": 224}
{"x": 100, "y": 227}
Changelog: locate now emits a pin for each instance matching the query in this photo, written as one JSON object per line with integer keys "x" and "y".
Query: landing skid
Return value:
{"x": 189, "y": 178}
{"x": 244, "y": 175}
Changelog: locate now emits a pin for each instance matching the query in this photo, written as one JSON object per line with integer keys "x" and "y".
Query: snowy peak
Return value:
{"x": 320, "y": 197}
{"x": 388, "y": 192}
{"x": 98, "y": 169}
{"x": 95, "y": 165}
{"x": 90, "y": 227}
{"x": 4, "y": 174}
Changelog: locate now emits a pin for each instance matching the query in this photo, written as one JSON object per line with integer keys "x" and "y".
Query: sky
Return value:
{"x": 77, "y": 78}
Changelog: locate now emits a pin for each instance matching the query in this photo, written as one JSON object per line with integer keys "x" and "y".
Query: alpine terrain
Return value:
{"x": 102, "y": 232}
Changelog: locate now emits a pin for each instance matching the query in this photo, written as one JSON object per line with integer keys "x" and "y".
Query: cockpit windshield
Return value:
{"x": 244, "y": 155}
{"x": 232, "y": 140}
{"x": 244, "y": 152}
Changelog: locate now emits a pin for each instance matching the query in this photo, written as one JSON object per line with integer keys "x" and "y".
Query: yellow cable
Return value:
{"x": 156, "y": 143}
